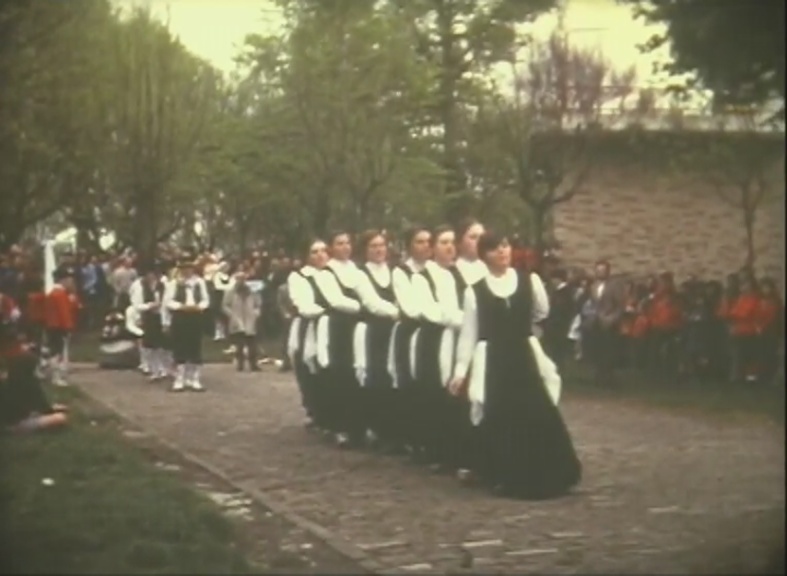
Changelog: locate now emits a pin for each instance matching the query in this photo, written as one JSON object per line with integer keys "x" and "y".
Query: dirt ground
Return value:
{"x": 663, "y": 492}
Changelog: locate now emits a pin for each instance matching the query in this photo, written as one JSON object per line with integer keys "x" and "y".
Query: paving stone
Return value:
{"x": 662, "y": 492}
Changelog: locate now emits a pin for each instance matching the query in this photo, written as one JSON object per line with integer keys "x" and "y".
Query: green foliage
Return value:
{"x": 735, "y": 48}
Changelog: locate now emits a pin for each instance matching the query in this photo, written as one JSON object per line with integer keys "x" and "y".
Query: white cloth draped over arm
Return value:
{"x": 405, "y": 294}
{"x": 302, "y": 296}
{"x": 333, "y": 293}
{"x": 468, "y": 336}
{"x": 540, "y": 299}
{"x": 359, "y": 352}
{"x": 372, "y": 301}
{"x": 471, "y": 358}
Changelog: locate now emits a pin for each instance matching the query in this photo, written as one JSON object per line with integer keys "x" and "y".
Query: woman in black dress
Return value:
{"x": 309, "y": 304}
{"x": 524, "y": 448}
{"x": 373, "y": 344}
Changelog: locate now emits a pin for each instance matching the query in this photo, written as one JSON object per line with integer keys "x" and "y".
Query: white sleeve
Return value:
{"x": 468, "y": 335}
{"x": 131, "y": 321}
{"x": 372, "y": 301}
{"x": 302, "y": 296}
{"x": 333, "y": 293}
{"x": 540, "y": 299}
{"x": 405, "y": 295}
{"x": 137, "y": 296}
{"x": 169, "y": 296}
{"x": 204, "y": 303}
{"x": 430, "y": 308}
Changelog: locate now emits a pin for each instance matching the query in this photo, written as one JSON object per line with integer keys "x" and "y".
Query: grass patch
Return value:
{"x": 717, "y": 399}
{"x": 86, "y": 501}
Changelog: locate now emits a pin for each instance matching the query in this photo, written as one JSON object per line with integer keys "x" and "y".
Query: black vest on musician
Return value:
{"x": 152, "y": 294}
{"x": 180, "y": 293}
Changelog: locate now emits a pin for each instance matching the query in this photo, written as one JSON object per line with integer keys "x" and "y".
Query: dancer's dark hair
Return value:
{"x": 364, "y": 238}
{"x": 489, "y": 241}
{"x": 439, "y": 231}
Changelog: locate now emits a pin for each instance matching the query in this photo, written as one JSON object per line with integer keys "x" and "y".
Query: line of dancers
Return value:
{"x": 435, "y": 357}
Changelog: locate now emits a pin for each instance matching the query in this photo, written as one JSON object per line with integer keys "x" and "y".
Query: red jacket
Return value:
{"x": 60, "y": 309}
{"x": 36, "y": 308}
{"x": 10, "y": 343}
{"x": 743, "y": 315}
{"x": 665, "y": 312}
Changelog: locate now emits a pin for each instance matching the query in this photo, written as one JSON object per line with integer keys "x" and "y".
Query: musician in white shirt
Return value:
{"x": 187, "y": 299}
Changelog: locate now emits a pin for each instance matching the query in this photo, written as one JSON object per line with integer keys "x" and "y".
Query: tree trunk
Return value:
{"x": 456, "y": 206}
{"x": 539, "y": 226}
{"x": 749, "y": 222}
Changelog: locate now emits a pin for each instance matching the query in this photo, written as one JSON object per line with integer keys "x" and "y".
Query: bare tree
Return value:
{"x": 547, "y": 127}
{"x": 742, "y": 163}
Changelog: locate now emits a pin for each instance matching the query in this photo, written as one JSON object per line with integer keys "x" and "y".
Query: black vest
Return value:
{"x": 149, "y": 294}
{"x": 406, "y": 269}
{"x": 319, "y": 297}
{"x": 348, "y": 292}
{"x": 459, "y": 284}
{"x": 507, "y": 318}
{"x": 384, "y": 292}
{"x": 180, "y": 293}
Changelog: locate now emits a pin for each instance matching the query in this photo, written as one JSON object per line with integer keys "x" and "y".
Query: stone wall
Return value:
{"x": 646, "y": 218}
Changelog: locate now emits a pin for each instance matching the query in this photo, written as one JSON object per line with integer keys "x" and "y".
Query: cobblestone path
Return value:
{"x": 662, "y": 492}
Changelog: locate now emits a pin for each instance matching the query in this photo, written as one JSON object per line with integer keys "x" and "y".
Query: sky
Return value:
{"x": 215, "y": 29}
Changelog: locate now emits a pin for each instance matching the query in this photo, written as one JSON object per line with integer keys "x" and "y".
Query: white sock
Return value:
{"x": 64, "y": 358}
{"x": 180, "y": 373}
{"x": 154, "y": 362}
{"x": 195, "y": 373}
{"x": 144, "y": 358}
{"x": 188, "y": 373}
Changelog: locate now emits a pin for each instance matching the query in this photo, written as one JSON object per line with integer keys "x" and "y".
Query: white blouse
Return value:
{"x": 370, "y": 299}
{"x": 301, "y": 293}
{"x": 443, "y": 310}
{"x": 502, "y": 287}
{"x": 404, "y": 291}
{"x": 347, "y": 271}
{"x": 471, "y": 270}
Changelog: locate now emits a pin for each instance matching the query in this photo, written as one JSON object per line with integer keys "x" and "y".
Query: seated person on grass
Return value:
{"x": 23, "y": 404}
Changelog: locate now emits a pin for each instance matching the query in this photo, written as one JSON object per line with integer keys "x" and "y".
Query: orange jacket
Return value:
{"x": 743, "y": 315}
{"x": 60, "y": 310}
{"x": 665, "y": 312}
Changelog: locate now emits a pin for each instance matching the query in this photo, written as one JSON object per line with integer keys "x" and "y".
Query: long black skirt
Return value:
{"x": 379, "y": 394}
{"x": 427, "y": 395}
{"x": 404, "y": 401}
{"x": 338, "y": 392}
{"x": 525, "y": 447}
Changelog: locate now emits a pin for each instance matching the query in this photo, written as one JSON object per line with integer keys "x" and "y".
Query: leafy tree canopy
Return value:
{"x": 736, "y": 48}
